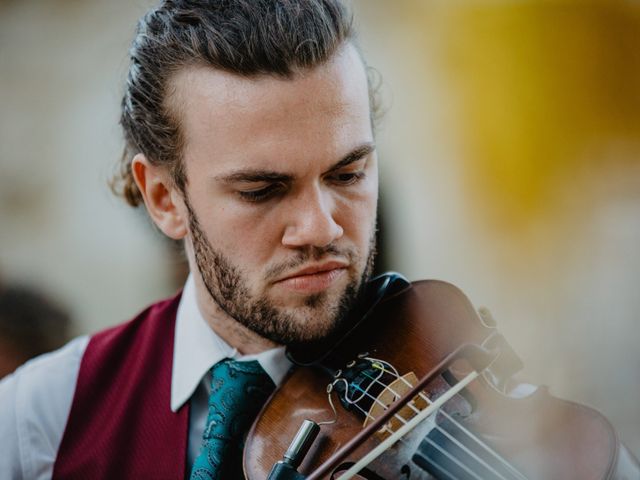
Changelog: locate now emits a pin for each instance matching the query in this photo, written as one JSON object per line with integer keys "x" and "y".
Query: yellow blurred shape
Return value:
{"x": 545, "y": 90}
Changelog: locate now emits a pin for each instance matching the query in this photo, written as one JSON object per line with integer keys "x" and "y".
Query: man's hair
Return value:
{"x": 243, "y": 37}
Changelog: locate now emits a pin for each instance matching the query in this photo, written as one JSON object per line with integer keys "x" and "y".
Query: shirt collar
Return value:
{"x": 197, "y": 348}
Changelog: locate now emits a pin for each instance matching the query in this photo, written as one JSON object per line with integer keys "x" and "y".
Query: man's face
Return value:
{"x": 281, "y": 194}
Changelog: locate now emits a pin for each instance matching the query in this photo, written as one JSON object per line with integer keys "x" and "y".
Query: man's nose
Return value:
{"x": 311, "y": 221}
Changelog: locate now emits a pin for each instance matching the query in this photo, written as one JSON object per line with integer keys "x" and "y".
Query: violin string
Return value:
{"x": 451, "y": 419}
{"x": 365, "y": 393}
{"x": 469, "y": 434}
{"x": 379, "y": 364}
{"x": 515, "y": 472}
{"x": 443, "y": 469}
{"x": 367, "y": 414}
{"x": 351, "y": 401}
{"x": 411, "y": 405}
{"x": 405, "y": 429}
{"x": 470, "y": 452}
{"x": 455, "y": 460}
{"x": 386, "y": 427}
{"x": 346, "y": 383}
{"x": 331, "y": 388}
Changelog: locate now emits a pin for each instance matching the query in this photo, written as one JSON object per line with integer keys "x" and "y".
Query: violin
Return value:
{"x": 417, "y": 388}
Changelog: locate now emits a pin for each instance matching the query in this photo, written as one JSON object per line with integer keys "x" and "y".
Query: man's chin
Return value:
{"x": 311, "y": 318}
{"x": 292, "y": 302}
{"x": 318, "y": 318}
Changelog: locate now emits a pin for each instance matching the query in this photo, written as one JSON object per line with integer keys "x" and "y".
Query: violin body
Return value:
{"x": 413, "y": 329}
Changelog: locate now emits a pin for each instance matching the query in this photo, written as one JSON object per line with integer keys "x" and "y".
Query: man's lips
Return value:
{"x": 313, "y": 278}
{"x": 314, "y": 269}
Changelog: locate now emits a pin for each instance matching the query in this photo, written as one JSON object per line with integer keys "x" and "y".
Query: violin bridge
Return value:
{"x": 391, "y": 394}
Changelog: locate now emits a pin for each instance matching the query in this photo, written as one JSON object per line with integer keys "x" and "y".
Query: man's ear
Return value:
{"x": 163, "y": 201}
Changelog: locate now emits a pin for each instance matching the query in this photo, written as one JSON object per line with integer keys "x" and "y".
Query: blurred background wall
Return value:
{"x": 509, "y": 157}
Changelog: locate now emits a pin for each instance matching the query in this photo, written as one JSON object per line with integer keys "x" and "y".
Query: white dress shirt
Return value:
{"x": 35, "y": 400}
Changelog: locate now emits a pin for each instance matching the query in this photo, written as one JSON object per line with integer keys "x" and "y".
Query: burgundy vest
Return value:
{"x": 121, "y": 424}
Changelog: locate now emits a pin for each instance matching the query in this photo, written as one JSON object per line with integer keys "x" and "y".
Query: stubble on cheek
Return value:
{"x": 316, "y": 316}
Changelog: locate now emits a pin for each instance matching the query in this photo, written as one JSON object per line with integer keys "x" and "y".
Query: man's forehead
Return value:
{"x": 236, "y": 119}
{"x": 199, "y": 83}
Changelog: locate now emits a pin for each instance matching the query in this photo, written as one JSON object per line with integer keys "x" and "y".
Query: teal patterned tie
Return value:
{"x": 238, "y": 391}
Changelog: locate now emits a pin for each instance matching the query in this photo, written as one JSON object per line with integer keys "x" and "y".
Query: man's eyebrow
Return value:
{"x": 257, "y": 175}
{"x": 252, "y": 175}
{"x": 354, "y": 155}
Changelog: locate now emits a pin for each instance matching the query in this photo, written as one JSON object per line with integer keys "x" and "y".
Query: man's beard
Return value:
{"x": 230, "y": 291}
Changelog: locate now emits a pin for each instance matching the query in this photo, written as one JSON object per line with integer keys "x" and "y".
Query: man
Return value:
{"x": 248, "y": 137}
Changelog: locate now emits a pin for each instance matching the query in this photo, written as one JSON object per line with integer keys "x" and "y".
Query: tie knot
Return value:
{"x": 235, "y": 383}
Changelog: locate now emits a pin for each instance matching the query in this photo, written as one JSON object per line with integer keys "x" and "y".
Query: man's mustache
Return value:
{"x": 308, "y": 254}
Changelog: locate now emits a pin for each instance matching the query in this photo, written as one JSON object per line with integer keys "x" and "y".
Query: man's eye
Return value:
{"x": 261, "y": 194}
{"x": 347, "y": 178}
